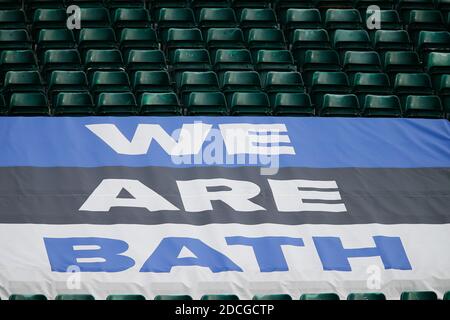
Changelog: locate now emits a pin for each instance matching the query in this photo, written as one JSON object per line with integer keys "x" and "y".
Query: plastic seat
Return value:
{"x": 306, "y": 39}
{"x": 190, "y": 60}
{"x": 225, "y": 38}
{"x": 292, "y": 104}
{"x": 381, "y": 106}
{"x": 145, "y": 60}
{"x": 232, "y": 60}
{"x": 73, "y": 104}
{"x": 371, "y": 83}
{"x": 388, "y": 19}
{"x": 71, "y": 81}
{"x": 342, "y": 19}
{"x": 217, "y": 18}
{"x": 335, "y": 105}
{"x": 49, "y": 19}
{"x": 74, "y": 297}
{"x": 366, "y": 296}
{"x": 22, "y": 81}
{"x": 249, "y": 103}
{"x": 257, "y": 18}
{"x": 354, "y": 40}
{"x": 301, "y": 19}
{"x": 116, "y": 103}
{"x": 14, "y": 39}
{"x": 361, "y": 61}
{"x": 404, "y": 7}
{"x": 206, "y": 103}
{"x": 175, "y": 18}
{"x": 223, "y": 296}
{"x": 280, "y": 81}
{"x": 438, "y": 63}
{"x": 418, "y": 295}
{"x": 131, "y": 18}
{"x": 430, "y": 20}
{"x": 94, "y": 18}
{"x": 390, "y": 40}
{"x": 98, "y": 60}
{"x": 28, "y": 103}
{"x": 318, "y": 60}
{"x": 12, "y": 19}
{"x": 401, "y": 61}
{"x": 55, "y": 39}
{"x": 109, "y": 81}
{"x": 165, "y": 103}
{"x": 430, "y": 41}
{"x": 240, "y": 81}
{"x": 96, "y": 38}
{"x": 173, "y": 297}
{"x": 418, "y": 106}
{"x": 60, "y": 60}
{"x": 198, "y": 82}
{"x": 274, "y": 60}
{"x": 265, "y": 39}
{"x": 412, "y": 83}
{"x": 151, "y": 81}
{"x": 182, "y": 38}
{"x": 125, "y": 297}
{"x": 328, "y": 82}
{"x": 138, "y": 38}
{"x": 17, "y": 60}
{"x": 319, "y": 296}
{"x": 272, "y": 297}
{"x": 38, "y": 297}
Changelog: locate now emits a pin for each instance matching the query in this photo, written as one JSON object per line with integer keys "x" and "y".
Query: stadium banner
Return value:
{"x": 209, "y": 205}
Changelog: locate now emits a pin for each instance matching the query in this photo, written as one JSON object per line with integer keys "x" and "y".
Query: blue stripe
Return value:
{"x": 318, "y": 142}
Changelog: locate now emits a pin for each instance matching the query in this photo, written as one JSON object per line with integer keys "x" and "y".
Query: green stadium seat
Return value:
{"x": 145, "y": 60}
{"x": 328, "y": 82}
{"x": 366, "y": 296}
{"x": 68, "y": 59}
{"x": 371, "y": 83}
{"x": 339, "y": 105}
{"x": 28, "y": 103}
{"x": 50, "y": 39}
{"x": 355, "y": 40}
{"x": 190, "y": 60}
{"x": 383, "y": 4}
{"x": 116, "y": 104}
{"x": 249, "y": 3}
{"x": 49, "y": 19}
{"x": 401, "y": 61}
{"x": 249, "y": 103}
{"x": 319, "y": 296}
{"x": 151, "y": 81}
{"x": 272, "y": 297}
{"x": 257, "y": 18}
{"x": 137, "y": 38}
{"x": 22, "y": 81}
{"x": 32, "y": 5}
{"x": 232, "y": 60}
{"x": 318, "y": 60}
{"x": 342, "y": 19}
{"x": 124, "y": 3}
{"x": 412, "y": 83}
{"x": 161, "y": 103}
{"x": 73, "y": 104}
{"x": 417, "y": 106}
{"x": 430, "y": 41}
{"x": 274, "y": 60}
{"x": 309, "y": 39}
{"x": 96, "y": 38}
{"x": 291, "y": 104}
{"x": 131, "y": 18}
{"x": 381, "y": 106}
{"x": 12, "y": 19}
{"x": 390, "y": 40}
{"x": 240, "y": 81}
{"x": 361, "y": 61}
{"x": 176, "y": 38}
{"x": 14, "y": 39}
{"x": 438, "y": 63}
{"x": 225, "y": 38}
{"x": 125, "y": 297}
{"x": 175, "y": 18}
{"x": 265, "y": 39}
{"x": 109, "y": 81}
{"x": 206, "y": 104}
{"x": 27, "y": 297}
{"x": 301, "y": 19}
{"x": 419, "y": 295}
{"x": 198, "y": 82}
{"x": 74, "y": 297}
{"x": 17, "y": 60}
{"x": 173, "y": 297}
{"x": 217, "y": 18}
{"x": 281, "y": 81}
{"x": 447, "y": 295}
{"x": 71, "y": 81}
{"x": 389, "y": 19}
{"x": 430, "y": 20}
{"x": 222, "y": 296}
{"x": 103, "y": 60}
{"x": 94, "y": 18}
{"x": 404, "y": 7}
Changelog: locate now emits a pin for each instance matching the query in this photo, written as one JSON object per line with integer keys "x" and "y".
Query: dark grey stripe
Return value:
{"x": 387, "y": 196}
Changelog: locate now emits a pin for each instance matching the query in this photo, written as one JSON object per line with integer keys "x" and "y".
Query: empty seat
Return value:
{"x": 12, "y": 19}
{"x": 131, "y": 18}
{"x": 175, "y": 18}
{"x": 74, "y": 297}
{"x": 306, "y": 39}
{"x": 28, "y": 103}
{"x": 22, "y": 81}
{"x": 430, "y": 20}
{"x": 60, "y": 60}
{"x": 225, "y": 38}
{"x": 197, "y": 81}
{"x": 389, "y": 40}
{"x": 344, "y": 40}
{"x": 138, "y": 38}
{"x": 342, "y": 19}
{"x": 318, "y": 60}
{"x": 165, "y": 103}
{"x": 73, "y": 104}
{"x": 173, "y": 297}
{"x": 151, "y": 81}
{"x": 438, "y": 63}
{"x": 116, "y": 103}
{"x": 94, "y": 18}
{"x": 224, "y": 296}
{"x": 418, "y": 295}
{"x": 109, "y": 81}
{"x": 319, "y": 296}
{"x": 412, "y": 83}
{"x": 265, "y": 39}
{"x": 429, "y": 41}
{"x": 14, "y": 60}
{"x": 14, "y": 39}
{"x": 257, "y": 18}
{"x": 35, "y": 297}
{"x": 145, "y": 60}
{"x": 371, "y": 83}
{"x": 301, "y": 19}
{"x": 49, "y": 19}
{"x": 418, "y": 106}
{"x": 96, "y": 38}
{"x": 292, "y": 104}
{"x": 272, "y": 297}
{"x": 328, "y": 82}
{"x": 249, "y": 103}
{"x": 232, "y": 60}
{"x": 401, "y": 61}
{"x": 125, "y": 297}
{"x": 381, "y": 106}
{"x": 244, "y": 81}
{"x": 206, "y": 103}
{"x": 361, "y": 61}
{"x": 70, "y": 81}
{"x": 404, "y": 7}
{"x": 190, "y": 60}
{"x": 274, "y": 60}
{"x": 176, "y": 38}
{"x": 280, "y": 81}
{"x": 217, "y": 18}
{"x": 335, "y": 105}
{"x": 55, "y": 39}
{"x": 366, "y": 296}
{"x": 97, "y": 60}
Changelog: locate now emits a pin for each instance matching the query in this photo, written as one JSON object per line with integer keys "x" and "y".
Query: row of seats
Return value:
{"x": 420, "y": 295}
